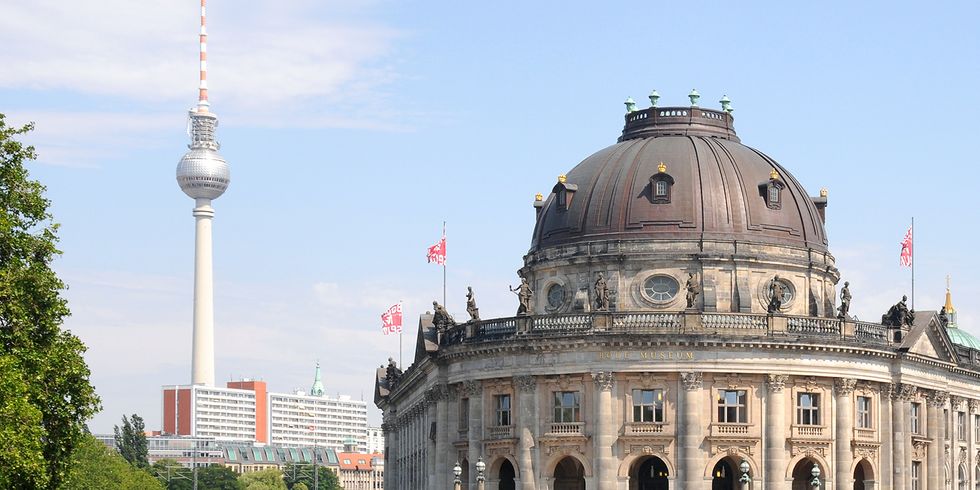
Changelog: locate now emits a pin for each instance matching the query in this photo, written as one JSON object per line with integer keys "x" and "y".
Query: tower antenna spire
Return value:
{"x": 202, "y": 98}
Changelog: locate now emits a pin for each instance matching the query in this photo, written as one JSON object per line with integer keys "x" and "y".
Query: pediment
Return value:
{"x": 928, "y": 338}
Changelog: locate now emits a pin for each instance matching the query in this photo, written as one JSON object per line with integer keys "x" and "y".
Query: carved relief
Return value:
{"x": 691, "y": 381}
{"x": 525, "y": 383}
{"x": 733, "y": 380}
{"x": 809, "y": 383}
{"x": 844, "y": 386}
{"x": 648, "y": 449}
{"x": 776, "y": 382}
{"x": 974, "y": 405}
{"x": 603, "y": 380}
{"x": 954, "y": 402}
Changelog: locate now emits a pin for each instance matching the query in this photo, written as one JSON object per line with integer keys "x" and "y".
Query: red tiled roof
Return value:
{"x": 357, "y": 461}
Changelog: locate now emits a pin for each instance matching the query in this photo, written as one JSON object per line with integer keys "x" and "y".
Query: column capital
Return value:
{"x": 692, "y": 381}
{"x": 974, "y": 405}
{"x": 776, "y": 382}
{"x": 603, "y": 380}
{"x": 525, "y": 383}
{"x": 471, "y": 387}
{"x": 955, "y": 401}
{"x": 844, "y": 386}
{"x": 938, "y": 398}
{"x": 903, "y": 391}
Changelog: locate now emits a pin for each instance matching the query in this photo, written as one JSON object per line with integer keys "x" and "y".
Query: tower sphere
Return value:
{"x": 202, "y": 173}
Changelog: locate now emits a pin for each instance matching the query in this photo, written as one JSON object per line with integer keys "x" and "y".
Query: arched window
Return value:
{"x": 962, "y": 477}
{"x": 772, "y": 190}
{"x": 660, "y": 187}
{"x": 773, "y": 195}
{"x": 976, "y": 477}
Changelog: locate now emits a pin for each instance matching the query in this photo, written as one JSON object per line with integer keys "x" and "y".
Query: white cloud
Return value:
{"x": 274, "y": 62}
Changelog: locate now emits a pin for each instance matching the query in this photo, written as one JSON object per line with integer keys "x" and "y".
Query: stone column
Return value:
{"x": 474, "y": 391}
{"x": 441, "y": 473}
{"x": 605, "y": 434}
{"x": 884, "y": 423}
{"x": 775, "y": 452}
{"x": 843, "y": 388}
{"x": 387, "y": 428}
{"x": 935, "y": 473}
{"x": 690, "y": 457}
{"x": 901, "y": 394}
{"x": 526, "y": 391}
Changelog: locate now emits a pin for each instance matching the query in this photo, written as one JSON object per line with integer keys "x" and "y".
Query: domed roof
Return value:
{"x": 962, "y": 337}
{"x": 716, "y": 188}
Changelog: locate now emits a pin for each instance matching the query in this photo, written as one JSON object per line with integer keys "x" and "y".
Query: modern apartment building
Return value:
{"x": 234, "y": 413}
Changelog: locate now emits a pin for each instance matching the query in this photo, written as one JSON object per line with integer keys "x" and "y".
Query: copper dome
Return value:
{"x": 719, "y": 189}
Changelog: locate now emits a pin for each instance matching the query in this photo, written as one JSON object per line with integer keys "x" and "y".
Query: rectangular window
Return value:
{"x": 864, "y": 412}
{"x": 774, "y": 194}
{"x": 914, "y": 411}
{"x": 661, "y": 188}
{"x": 648, "y": 405}
{"x": 976, "y": 432}
{"x": 949, "y": 433}
{"x": 502, "y": 409}
{"x": 808, "y": 408}
{"x": 731, "y": 407}
{"x": 566, "y": 406}
{"x": 916, "y": 470}
{"x": 960, "y": 426}
{"x": 464, "y": 414}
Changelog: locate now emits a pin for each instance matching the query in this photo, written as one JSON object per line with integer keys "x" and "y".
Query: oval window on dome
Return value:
{"x": 661, "y": 288}
{"x": 556, "y": 296}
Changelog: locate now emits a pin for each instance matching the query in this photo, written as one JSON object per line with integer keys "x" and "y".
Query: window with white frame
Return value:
{"x": 915, "y": 411}
{"x": 916, "y": 471}
{"x": 501, "y": 408}
{"x": 567, "y": 406}
{"x": 808, "y": 408}
{"x": 961, "y": 427}
{"x": 648, "y": 405}
{"x": 732, "y": 408}
{"x": 864, "y": 412}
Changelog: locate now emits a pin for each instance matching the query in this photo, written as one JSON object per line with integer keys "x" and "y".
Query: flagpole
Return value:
{"x": 913, "y": 263}
{"x": 400, "y": 330}
{"x": 444, "y": 265}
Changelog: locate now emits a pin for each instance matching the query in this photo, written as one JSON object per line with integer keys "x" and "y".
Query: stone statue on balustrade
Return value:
{"x": 693, "y": 290}
{"x": 845, "y": 302}
{"x": 601, "y": 291}
{"x": 392, "y": 373}
{"x": 776, "y": 292}
{"x": 471, "y": 305}
{"x": 899, "y": 315}
{"x": 523, "y": 297}
{"x": 441, "y": 318}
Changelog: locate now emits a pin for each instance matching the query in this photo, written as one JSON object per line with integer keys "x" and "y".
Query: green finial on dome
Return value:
{"x": 317, "y": 389}
{"x": 630, "y": 105}
{"x": 726, "y": 104}
{"x": 694, "y": 96}
{"x": 654, "y": 97}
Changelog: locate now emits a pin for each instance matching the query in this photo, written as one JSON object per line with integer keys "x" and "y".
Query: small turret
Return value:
{"x": 317, "y": 389}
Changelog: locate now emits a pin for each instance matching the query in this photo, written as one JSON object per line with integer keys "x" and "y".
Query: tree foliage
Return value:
{"x": 46, "y": 395}
{"x": 96, "y": 467}
{"x": 302, "y": 474}
{"x": 270, "y": 479}
{"x": 176, "y": 477}
{"x": 131, "y": 441}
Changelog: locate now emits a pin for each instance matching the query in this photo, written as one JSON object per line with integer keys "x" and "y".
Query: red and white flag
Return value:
{"x": 391, "y": 320}
{"x": 437, "y": 252}
{"x": 906, "y": 257}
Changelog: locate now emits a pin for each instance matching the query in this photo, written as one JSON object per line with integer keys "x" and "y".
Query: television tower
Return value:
{"x": 203, "y": 175}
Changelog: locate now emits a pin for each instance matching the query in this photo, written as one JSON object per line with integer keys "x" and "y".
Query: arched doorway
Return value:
{"x": 802, "y": 474}
{"x": 723, "y": 475}
{"x": 569, "y": 474}
{"x": 864, "y": 478}
{"x": 506, "y": 476}
{"x": 465, "y": 477}
{"x": 649, "y": 473}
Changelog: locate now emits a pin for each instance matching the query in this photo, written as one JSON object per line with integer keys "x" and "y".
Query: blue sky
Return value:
{"x": 354, "y": 128}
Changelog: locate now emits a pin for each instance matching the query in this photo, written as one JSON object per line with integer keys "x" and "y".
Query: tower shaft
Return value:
{"x": 202, "y": 366}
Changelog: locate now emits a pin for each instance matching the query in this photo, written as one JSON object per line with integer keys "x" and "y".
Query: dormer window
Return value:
{"x": 772, "y": 190}
{"x": 660, "y": 185}
{"x": 564, "y": 192}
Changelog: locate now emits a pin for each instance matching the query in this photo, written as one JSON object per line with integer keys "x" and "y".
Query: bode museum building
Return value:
{"x": 682, "y": 325}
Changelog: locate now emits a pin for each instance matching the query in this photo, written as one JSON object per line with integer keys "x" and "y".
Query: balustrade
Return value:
{"x": 567, "y": 428}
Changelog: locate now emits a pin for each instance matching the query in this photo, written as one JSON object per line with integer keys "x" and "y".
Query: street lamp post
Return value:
{"x": 745, "y": 479}
{"x": 457, "y": 470}
{"x": 480, "y": 467}
{"x": 815, "y": 482}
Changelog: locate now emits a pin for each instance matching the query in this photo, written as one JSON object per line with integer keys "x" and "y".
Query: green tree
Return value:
{"x": 217, "y": 477}
{"x": 96, "y": 467}
{"x": 131, "y": 441}
{"x": 300, "y": 486}
{"x": 45, "y": 382}
{"x": 296, "y": 474}
{"x": 270, "y": 479}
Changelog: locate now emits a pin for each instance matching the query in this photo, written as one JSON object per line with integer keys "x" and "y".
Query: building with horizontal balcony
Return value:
{"x": 680, "y": 328}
